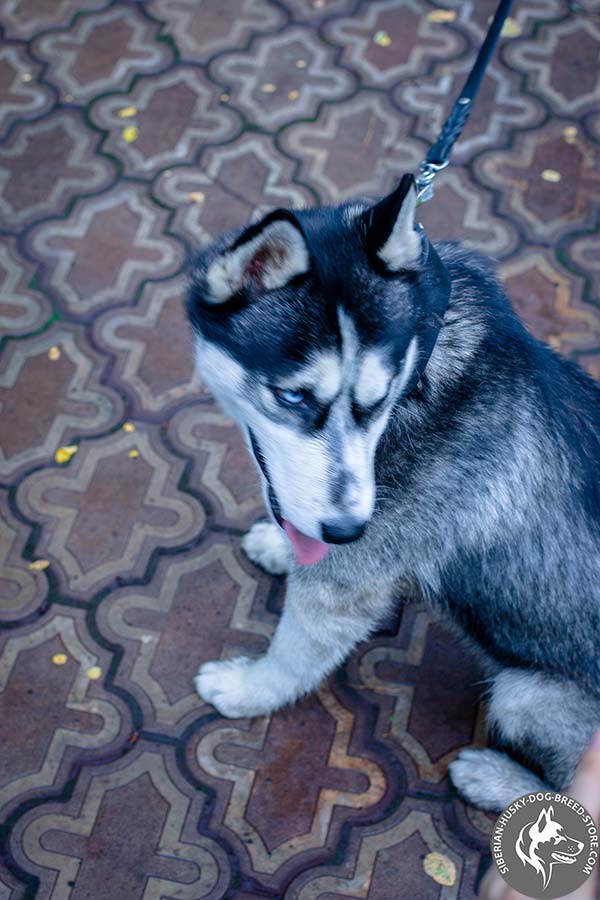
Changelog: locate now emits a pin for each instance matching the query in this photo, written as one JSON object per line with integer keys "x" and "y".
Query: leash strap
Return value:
{"x": 439, "y": 154}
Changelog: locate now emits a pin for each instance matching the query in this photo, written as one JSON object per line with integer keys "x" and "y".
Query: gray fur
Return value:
{"x": 487, "y": 504}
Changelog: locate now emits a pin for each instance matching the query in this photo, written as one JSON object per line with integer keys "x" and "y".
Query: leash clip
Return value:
{"x": 424, "y": 182}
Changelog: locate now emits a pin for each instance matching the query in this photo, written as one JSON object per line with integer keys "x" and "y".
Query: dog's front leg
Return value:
{"x": 320, "y": 625}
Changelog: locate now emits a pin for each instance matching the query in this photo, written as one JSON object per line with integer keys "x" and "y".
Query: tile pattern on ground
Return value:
{"x": 36, "y": 183}
{"x": 133, "y": 133}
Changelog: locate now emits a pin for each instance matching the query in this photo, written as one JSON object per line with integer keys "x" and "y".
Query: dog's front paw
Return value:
{"x": 238, "y": 688}
{"x": 266, "y": 545}
{"x": 490, "y": 779}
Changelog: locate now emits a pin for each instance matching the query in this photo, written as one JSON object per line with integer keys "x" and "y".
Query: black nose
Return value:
{"x": 342, "y": 531}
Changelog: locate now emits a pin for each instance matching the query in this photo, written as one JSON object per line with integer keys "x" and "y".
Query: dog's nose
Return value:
{"x": 342, "y": 531}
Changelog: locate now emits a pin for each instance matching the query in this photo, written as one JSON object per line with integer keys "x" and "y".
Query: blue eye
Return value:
{"x": 289, "y": 397}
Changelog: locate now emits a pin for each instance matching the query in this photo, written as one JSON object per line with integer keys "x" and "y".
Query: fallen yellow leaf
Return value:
{"x": 38, "y": 565}
{"x": 196, "y": 196}
{"x": 128, "y": 426}
{"x": 127, "y": 112}
{"x": 551, "y": 175}
{"x": 511, "y": 28}
{"x": 59, "y": 659}
{"x": 441, "y": 15}
{"x": 440, "y": 868}
{"x": 134, "y": 453}
{"x": 94, "y": 673}
{"x": 382, "y": 38}
{"x": 130, "y": 134}
{"x": 64, "y": 454}
{"x": 54, "y": 353}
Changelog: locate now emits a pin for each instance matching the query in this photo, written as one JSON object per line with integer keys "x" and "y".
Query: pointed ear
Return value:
{"x": 390, "y": 228}
{"x": 543, "y": 819}
{"x": 266, "y": 256}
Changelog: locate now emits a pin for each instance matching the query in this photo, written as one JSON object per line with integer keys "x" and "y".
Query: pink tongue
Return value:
{"x": 307, "y": 550}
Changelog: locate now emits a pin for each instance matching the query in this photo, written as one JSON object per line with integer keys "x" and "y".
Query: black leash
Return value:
{"x": 439, "y": 154}
{"x": 433, "y": 281}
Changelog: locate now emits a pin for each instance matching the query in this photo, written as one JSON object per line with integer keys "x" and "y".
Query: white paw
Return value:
{"x": 490, "y": 779}
{"x": 266, "y": 545}
{"x": 239, "y": 687}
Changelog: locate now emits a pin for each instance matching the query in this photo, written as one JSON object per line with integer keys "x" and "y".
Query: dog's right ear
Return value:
{"x": 265, "y": 256}
{"x": 390, "y": 228}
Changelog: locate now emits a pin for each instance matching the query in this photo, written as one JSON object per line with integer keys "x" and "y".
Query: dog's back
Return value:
{"x": 496, "y": 464}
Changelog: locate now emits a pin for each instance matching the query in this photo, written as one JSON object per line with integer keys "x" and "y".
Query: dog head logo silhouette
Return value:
{"x": 544, "y": 844}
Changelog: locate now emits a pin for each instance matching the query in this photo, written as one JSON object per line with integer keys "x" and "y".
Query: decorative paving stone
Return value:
{"x": 473, "y": 18}
{"x": 549, "y": 300}
{"x": 88, "y": 846}
{"x": 222, "y": 468}
{"x": 153, "y": 346}
{"x": 63, "y": 397}
{"x": 592, "y": 121}
{"x": 22, "y": 307}
{"x": 475, "y": 826}
{"x": 201, "y": 30}
{"x": 52, "y": 712}
{"x": 106, "y": 512}
{"x": 562, "y": 64}
{"x": 23, "y": 97}
{"x": 267, "y": 85}
{"x": 427, "y": 688}
{"x": 22, "y": 591}
{"x": 315, "y": 10}
{"x": 414, "y": 45}
{"x": 285, "y": 784}
{"x": 357, "y": 147}
{"x": 547, "y": 206}
{"x": 45, "y": 164}
{"x": 10, "y": 889}
{"x": 460, "y": 203}
{"x": 204, "y": 603}
{"x": 104, "y": 251}
{"x": 386, "y": 860}
{"x": 177, "y": 114}
{"x": 501, "y": 107}
{"x": 24, "y": 18}
{"x": 102, "y": 52}
{"x": 203, "y": 208}
{"x": 237, "y": 182}
{"x": 582, "y": 251}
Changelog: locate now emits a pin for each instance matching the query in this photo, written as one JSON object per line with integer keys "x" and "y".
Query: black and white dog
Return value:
{"x": 410, "y": 432}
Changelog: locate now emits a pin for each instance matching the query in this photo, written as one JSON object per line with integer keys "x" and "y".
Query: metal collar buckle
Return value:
{"x": 424, "y": 182}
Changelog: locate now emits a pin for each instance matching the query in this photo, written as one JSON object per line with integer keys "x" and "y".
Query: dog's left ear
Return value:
{"x": 544, "y": 819}
{"x": 265, "y": 256}
{"x": 390, "y": 228}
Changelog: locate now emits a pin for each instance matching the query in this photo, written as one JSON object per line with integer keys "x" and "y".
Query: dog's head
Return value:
{"x": 544, "y": 843}
{"x": 307, "y": 332}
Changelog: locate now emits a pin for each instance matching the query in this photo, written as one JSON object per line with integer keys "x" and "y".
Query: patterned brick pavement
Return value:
{"x": 132, "y": 132}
